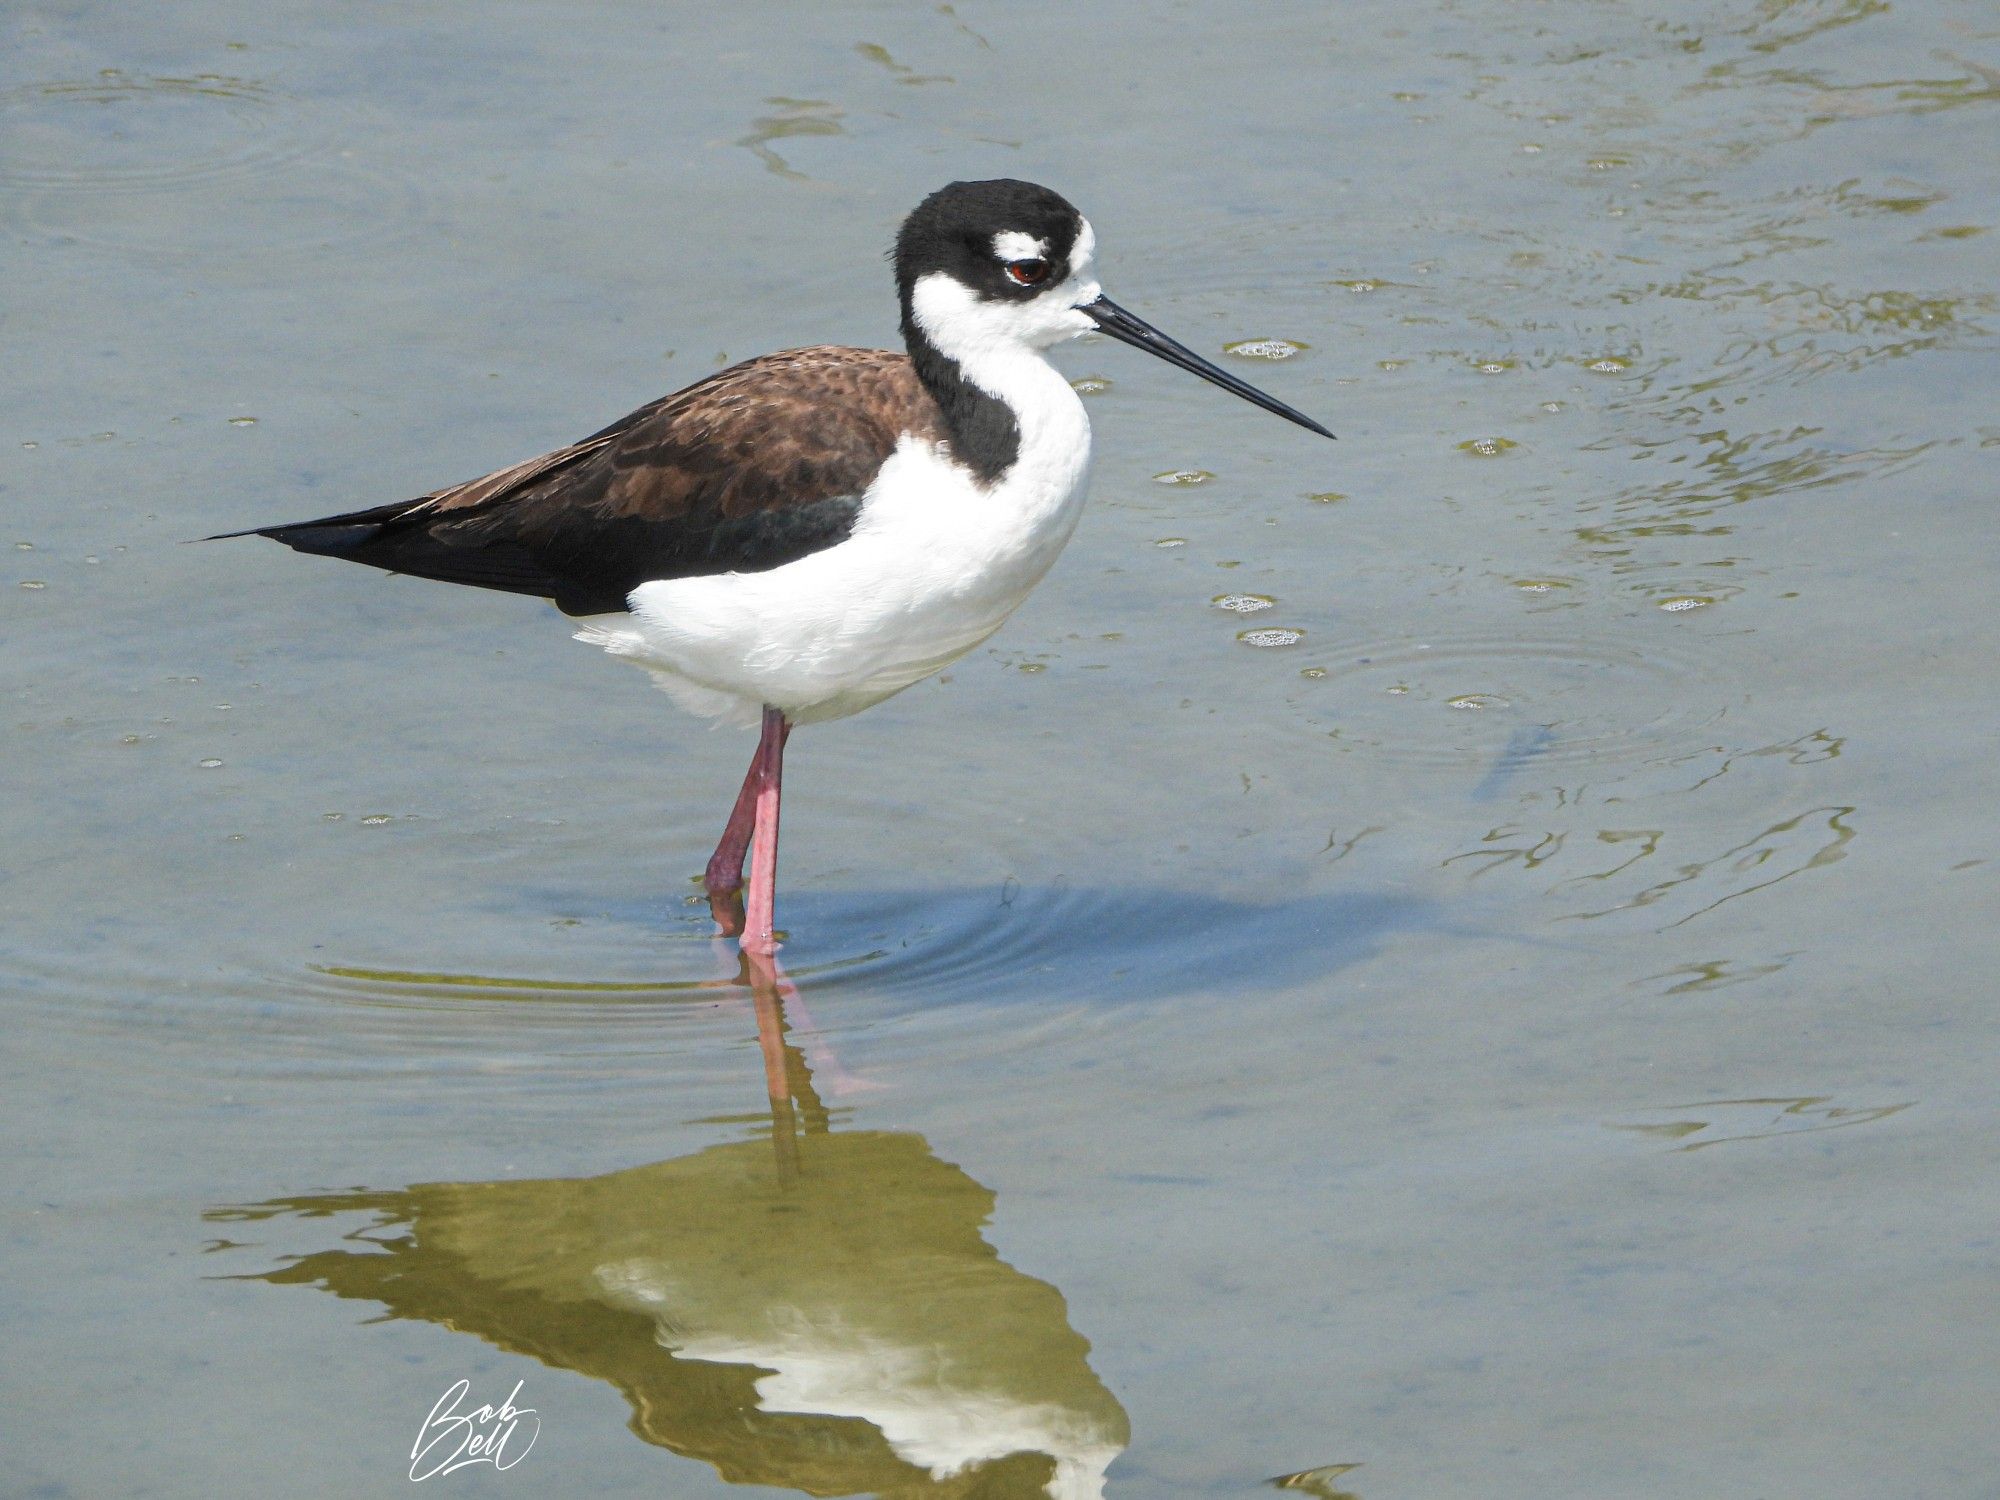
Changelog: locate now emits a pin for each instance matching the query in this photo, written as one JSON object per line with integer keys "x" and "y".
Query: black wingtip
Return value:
{"x": 327, "y": 538}
{"x": 224, "y": 536}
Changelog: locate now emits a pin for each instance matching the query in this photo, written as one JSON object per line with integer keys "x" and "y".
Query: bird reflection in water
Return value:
{"x": 1318, "y": 1482}
{"x": 815, "y": 1311}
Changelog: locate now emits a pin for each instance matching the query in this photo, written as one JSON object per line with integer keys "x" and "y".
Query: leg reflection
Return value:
{"x": 788, "y": 1080}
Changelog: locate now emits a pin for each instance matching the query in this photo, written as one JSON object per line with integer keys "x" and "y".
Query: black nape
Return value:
{"x": 984, "y": 435}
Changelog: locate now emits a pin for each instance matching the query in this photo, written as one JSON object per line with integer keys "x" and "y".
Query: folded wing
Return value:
{"x": 752, "y": 468}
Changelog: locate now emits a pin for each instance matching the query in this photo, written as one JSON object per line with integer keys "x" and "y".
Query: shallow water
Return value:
{"x": 1452, "y": 963}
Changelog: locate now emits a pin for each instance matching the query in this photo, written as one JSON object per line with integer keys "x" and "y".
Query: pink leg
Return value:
{"x": 725, "y": 866}
{"x": 760, "y": 925}
{"x": 724, "y": 876}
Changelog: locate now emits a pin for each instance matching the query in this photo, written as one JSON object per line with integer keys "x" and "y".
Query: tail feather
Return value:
{"x": 328, "y": 533}
{"x": 371, "y": 537}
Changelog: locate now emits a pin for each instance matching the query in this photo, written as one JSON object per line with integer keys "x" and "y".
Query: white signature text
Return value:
{"x": 451, "y": 1439}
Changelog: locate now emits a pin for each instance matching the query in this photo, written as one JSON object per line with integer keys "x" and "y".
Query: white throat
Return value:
{"x": 1002, "y": 349}
{"x": 967, "y": 328}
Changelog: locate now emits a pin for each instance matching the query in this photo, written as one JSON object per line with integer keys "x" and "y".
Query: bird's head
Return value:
{"x": 986, "y": 269}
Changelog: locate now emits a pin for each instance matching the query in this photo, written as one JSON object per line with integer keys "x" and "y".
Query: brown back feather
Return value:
{"x": 782, "y": 429}
{"x": 751, "y": 468}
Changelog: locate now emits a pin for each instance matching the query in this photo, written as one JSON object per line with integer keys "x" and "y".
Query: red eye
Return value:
{"x": 1029, "y": 272}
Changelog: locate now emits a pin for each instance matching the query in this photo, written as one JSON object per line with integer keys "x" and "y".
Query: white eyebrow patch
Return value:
{"x": 1084, "y": 250}
{"x": 1013, "y": 244}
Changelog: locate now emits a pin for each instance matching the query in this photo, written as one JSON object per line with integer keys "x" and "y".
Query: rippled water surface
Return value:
{"x": 1453, "y": 963}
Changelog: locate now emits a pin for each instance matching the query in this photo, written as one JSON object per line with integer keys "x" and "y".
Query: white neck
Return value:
{"x": 1001, "y": 349}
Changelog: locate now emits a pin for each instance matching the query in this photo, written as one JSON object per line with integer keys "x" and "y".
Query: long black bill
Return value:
{"x": 1140, "y": 334}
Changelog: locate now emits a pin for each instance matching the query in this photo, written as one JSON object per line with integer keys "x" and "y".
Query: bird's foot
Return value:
{"x": 726, "y": 907}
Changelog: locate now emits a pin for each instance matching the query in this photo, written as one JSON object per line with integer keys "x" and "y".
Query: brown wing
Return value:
{"x": 752, "y": 468}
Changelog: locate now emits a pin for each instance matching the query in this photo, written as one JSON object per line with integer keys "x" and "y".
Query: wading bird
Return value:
{"x": 798, "y": 537}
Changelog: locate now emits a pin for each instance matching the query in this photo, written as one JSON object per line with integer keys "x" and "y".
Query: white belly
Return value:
{"x": 935, "y": 565}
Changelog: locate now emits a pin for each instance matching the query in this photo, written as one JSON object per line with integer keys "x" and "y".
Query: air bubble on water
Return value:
{"x": 1033, "y": 666}
{"x": 1273, "y": 635}
{"x": 129, "y": 739}
{"x": 1171, "y": 541}
{"x": 1475, "y": 701}
{"x": 1312, "y": 671}
{"x": 1243, "y": 604}
{"x": 1390, "y": 364}
{"x": 1552, "y": 406}
{"x": 1363, "y": 285}
{"x": 34, "y": 583}
{"x": 333, "y": 817}
{"x": 1487, "y": 447}
{"x": 209, "y": 764}
{"x": 1530, "y": 149}
{"x": 1183, "y": 476}
{"x": 242, "y": 421}
{"x": 1495, "y": 366}
{"x": 376, "y": 820}
{"x": 1327, "y": 497}
{"x": 1540, "y": 585}
{"x": 1264, "y": 348}
{"x": 1686, "y": 602}
{"x": 24, "y": 546}
{"x": 1090, "y": 385}
{"x": 1609, "y": 365}
{"x": 1396, "y": 689}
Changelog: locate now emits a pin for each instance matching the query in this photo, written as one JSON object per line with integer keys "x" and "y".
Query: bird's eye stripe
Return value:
{"x": 1029, "y": 272}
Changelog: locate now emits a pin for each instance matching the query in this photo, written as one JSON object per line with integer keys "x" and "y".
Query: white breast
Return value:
{"x": 936, "y": 563}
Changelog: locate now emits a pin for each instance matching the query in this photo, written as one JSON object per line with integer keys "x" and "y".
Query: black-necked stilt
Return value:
{"x": 802, "y": 535}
